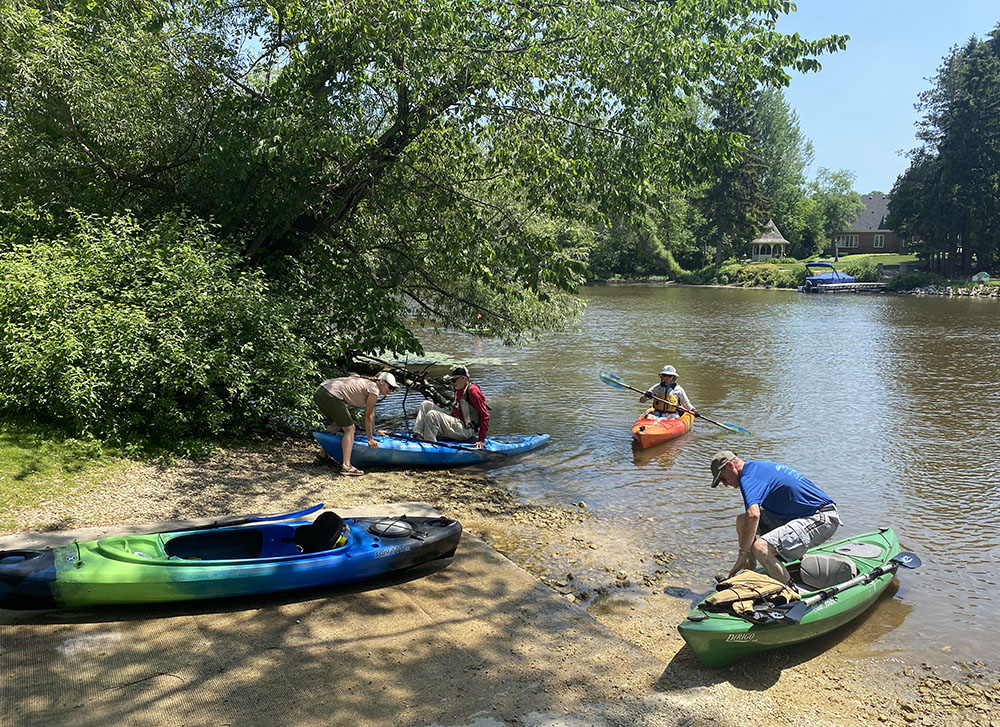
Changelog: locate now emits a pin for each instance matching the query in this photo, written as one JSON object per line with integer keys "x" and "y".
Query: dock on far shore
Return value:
{"x": 847, "y": 288}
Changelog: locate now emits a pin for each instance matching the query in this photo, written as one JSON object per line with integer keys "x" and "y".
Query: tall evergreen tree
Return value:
{"x": 735, "y": 204}
{"x": 950, "y": 194}
{"x": 786, "y": 154}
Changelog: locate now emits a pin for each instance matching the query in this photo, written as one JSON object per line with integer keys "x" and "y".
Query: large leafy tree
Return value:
{"x": 360, "y": 163}
{"x": 833, "y": 196}
{"x": 400, "y": 147}
{"x": 766, "y": 179}
{"x": 950, "y": 194}
{"x": 734, "y": 204}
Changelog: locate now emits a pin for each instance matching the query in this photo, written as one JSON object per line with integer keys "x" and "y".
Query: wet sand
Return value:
{"x": 615, "y": 574}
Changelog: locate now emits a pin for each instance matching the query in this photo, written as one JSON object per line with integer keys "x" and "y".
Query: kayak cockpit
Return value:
{"x": 261, "y": 542}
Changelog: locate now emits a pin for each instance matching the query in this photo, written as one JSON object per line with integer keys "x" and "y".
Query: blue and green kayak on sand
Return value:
{"x": 261, "y": 555}
{"x": 867, "y": 563}
{"x": 403, "y": 451}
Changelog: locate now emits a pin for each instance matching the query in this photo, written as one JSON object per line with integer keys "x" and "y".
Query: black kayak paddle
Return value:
{"x": 791, "y": 613}
{"x": 484, "y": 453}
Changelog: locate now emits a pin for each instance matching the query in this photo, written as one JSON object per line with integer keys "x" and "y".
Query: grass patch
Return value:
{"x": 38, "y": 465}
{"x": 886, "y": 258}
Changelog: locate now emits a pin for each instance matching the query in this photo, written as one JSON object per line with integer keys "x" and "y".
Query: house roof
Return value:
{"x": 873, "y": 217}
{"x": 770, "y": 235}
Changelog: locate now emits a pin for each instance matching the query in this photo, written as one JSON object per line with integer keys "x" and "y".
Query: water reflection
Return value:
{"x": 885, "y": 402}
{"x": 661, "y": 455}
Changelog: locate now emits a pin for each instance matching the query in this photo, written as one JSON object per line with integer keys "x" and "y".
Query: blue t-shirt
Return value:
{"x": 780, "y": 490}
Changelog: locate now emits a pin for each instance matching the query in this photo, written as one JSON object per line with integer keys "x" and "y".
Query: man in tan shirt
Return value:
{"x": 335, "y": 396}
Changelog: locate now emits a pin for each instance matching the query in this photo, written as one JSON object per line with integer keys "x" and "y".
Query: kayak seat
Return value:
{"x": 324, "y": 533}
{"x": 822, "y": 570}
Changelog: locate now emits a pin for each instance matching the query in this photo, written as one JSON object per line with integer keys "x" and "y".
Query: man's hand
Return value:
{"x": 372, "y": 443}
{"x": 742, "y": 563}
{"x": 480, "y": 445}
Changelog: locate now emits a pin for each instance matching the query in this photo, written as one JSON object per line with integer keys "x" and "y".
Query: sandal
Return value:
{"x": 350, "y": 471}
{"x": 321, "y": 457}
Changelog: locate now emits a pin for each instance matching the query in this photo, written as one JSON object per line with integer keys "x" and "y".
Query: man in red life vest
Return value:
{"x": 468, "y": 416}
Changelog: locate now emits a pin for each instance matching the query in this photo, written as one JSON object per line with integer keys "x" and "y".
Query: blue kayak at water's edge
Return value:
{"x": 399, "y": 449}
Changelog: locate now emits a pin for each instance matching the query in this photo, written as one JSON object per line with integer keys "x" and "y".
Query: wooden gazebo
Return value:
{"x": 768, "y": 243}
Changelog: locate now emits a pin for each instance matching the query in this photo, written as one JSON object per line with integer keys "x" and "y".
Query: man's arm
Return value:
{"x": 746, "y": 535}
{"x": 477, "y": 400}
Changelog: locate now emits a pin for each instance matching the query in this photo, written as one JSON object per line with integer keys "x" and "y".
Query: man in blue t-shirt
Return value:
{"x": 786, "y": 514}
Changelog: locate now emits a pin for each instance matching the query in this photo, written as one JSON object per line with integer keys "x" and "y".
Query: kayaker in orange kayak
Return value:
{"x": 667, "y": 395}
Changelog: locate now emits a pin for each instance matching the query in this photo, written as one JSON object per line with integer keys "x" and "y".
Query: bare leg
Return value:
{"x": 331, "y": 428}
{"x": 346, "y": 444}
{"x": 768, "y": 557}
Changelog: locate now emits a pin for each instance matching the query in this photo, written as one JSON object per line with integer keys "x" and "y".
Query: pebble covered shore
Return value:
{"x": 613, "y": 572}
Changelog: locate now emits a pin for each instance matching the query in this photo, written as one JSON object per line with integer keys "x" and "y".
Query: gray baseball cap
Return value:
{"x": 718, "y": 462}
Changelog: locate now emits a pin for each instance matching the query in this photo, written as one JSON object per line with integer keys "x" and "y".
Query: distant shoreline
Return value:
{"x": 944, "y": 291}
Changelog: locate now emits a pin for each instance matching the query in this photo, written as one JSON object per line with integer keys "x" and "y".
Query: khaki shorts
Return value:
{"x": 795, "y": 537}
{"x": 335, "y": 409}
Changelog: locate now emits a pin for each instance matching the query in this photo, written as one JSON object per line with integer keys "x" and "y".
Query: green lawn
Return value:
{"x": 36, "y": 466}
{"x": 884, "y": 258}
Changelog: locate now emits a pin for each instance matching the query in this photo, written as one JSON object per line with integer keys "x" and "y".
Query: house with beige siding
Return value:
{"x": 869, "y": 233}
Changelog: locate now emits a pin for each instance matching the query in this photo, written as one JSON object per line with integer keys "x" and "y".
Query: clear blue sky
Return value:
{"x": 858, "y": 111}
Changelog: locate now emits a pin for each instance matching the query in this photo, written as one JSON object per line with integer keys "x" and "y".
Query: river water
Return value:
{"x": 888, "y": 403}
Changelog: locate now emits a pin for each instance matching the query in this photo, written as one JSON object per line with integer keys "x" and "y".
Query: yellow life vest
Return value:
{"x": 670, "y": 405}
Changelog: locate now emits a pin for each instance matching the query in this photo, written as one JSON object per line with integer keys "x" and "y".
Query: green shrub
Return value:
{"x": 154, "y": 333}
{"x": 762, "y": 275}
{"x": 704, "y": 276}
{"x": 747, "y": 275}
{"x": 863, "y": 272}
{"x": 792, "y": 278}
{"x": 909, "y": 281}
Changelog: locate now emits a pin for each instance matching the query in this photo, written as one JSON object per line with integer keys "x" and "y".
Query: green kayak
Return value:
{"x": 865, "y": 563}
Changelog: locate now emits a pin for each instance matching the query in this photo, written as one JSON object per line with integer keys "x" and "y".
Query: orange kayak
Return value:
{"x": 649, "y": 430}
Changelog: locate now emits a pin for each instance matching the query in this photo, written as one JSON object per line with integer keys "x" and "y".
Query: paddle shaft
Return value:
{"x": 616, "y": 382}
{"x": 902, "y": 558}
{"x": 860, "y": 578}
{"x": 792, "y": 612}
{"x": 681, "y": 408}
{"x": 243, "y": 520}
{"x": 481, "y": 452}
{"x": 795, "y": 610}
